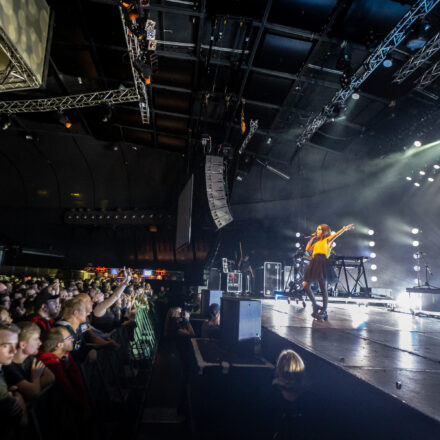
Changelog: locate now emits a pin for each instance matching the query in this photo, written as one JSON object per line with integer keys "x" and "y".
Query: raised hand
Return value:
{"x": 37, "y": 368}
{"x": 127, "y": 275}
{"x": 349, "y": 227}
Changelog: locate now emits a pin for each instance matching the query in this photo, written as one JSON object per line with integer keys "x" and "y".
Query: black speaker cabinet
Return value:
{"x": 210, "y": 297}
{"x": 240, "y": 320}
{"x": 214, "y": 280}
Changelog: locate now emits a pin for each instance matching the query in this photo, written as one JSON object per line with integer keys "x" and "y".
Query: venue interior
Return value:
{"x": 219, "y": 216}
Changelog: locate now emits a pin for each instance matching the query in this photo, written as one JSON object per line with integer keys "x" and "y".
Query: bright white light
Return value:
{"x": 415, "y": 243}
{"x": 415, "y": 256}
{"x": 373, "y": 255}
{"x": 373, "y": 267}
{"x": 422, "y": 173}
{"x": 370, "y": 232}
{"x": 430, "y": 179}
{"x": 437, "y": 167}
{"x": 374, "y": 279}
{"x": 417, "y": 144}
{"x": 371, "y": 244}
{"x": 355, "y": 96}
{"x": 417, "y": 268}
{"x": 298, "y": 234}
{"x": 415, "y": 230}
{"x": 334, "y": 244}
{"x": 408, "y": 178}
{"x": 297, "y": 245}
{"x": 409, "y": 302}
{"x": 416, "y": 184}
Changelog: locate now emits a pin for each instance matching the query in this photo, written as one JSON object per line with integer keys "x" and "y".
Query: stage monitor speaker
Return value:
{"x": 24, "y": 33}
{"x": 214, "y": 280}
{"x": 234, "y": 282}
{"x": 240, "y": 320}
{"x": 216, "y": 192}
{"x": 210, "y": 297}
{"x": 272, "y": 278}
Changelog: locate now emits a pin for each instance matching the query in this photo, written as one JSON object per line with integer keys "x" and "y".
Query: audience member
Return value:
{"x": 57, "y": 343}
{"x": 211, "y": 326}
{"x": 5, "y": 315}
{"x": 73, "y": 315}
{"x": 12, "y": 406}
{"x": 5, "y": 301}
{"x": 45, "y": 310}
{"x": 25, "y": 372}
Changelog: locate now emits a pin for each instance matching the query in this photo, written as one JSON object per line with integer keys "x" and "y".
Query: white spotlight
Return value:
{"x": 373, "y": 267}
{"x": 430, "y": 179}
{"x": 355, "y": 96}
{"x": 437, "y": 167}
{"x": 415, "y": 256}
{"x": 371, "y": 244}
{"x": 417, "y": 268}
{"x": 297, "y": 245}
{"x": 416, "y": 184}
{"x": 374, "y": 279}
{"x": 373, "y": 255}
{"x": 408, "y": 178}
{"x": 417, "y": 144}
{"x": 414, "y": 230}
{"x": 422, "y": 173}
{"x": 370, "y": 232}
{"x": 298, "y": 234}
{"x": 415, "y": 243}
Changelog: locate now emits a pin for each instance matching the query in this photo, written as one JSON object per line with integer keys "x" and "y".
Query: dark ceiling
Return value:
{"x": 280, "y": 61}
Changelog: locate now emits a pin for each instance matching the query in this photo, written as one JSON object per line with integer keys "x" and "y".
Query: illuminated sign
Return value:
{"x": 114, "y": 271}
{"x": 147, "y": 273}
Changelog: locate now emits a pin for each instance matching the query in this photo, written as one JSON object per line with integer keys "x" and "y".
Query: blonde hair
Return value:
{"x": 27, "y": 329}
{"x": 289, "y": 363}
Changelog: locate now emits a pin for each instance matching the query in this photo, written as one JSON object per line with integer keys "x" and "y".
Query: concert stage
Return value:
{"x": 380, "y": 363}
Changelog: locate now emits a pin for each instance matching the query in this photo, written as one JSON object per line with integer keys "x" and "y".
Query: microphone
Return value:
{"x": 310, "y": 236}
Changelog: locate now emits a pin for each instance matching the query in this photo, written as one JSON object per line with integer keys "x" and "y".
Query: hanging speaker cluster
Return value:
{"x": 215, "y": 188}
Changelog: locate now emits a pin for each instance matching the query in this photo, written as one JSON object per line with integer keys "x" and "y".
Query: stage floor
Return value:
{"x": 378, "y": 346}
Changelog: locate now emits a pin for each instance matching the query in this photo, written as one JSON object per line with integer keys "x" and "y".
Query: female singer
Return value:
{"x": 319, "y": 269}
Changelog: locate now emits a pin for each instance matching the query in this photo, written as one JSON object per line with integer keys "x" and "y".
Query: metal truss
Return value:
{"x": 391, "y": 41}
{"x": 429, "y": 76}
{"x": 426, "y": 52}
{"x": 134, "y": 51}
{"x": 16, "y": 76}
{"x": 117, "y": 96}
{"x": 253, "y": 128}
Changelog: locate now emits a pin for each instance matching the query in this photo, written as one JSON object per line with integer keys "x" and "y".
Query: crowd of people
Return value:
{"x": 49, "y": 328}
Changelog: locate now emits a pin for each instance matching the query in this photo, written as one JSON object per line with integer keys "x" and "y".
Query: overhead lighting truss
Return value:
{"x": 429, "y": 76}
{"x": 109, "y": 97}
{"x": 392, "y": 40}
{"x": 134, "y": 52}
{"x": 423, "y": 55}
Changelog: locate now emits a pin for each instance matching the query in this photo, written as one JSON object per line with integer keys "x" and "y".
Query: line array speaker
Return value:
{"x": 215, "y": 188}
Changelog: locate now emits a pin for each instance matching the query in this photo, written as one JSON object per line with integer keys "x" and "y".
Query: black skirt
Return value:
{"x": 320, "y": 268}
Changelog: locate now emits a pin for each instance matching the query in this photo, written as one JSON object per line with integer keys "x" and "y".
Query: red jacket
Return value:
{"x": 43, "y": 323}
{"x": 67, "y": 376}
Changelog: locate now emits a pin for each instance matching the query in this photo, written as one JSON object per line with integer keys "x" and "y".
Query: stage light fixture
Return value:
{"x": 415, "y": 243}
{"x": 6, "y": 123}
{"x": 373, "y": 267}
{"x": 417, "y": 144}
{"x": 417, "y": 268}
{"x": 422, "y": 173}
{"x": 107, "y": 114}
{"x": 430, "y": 179}
{"x": 416, "y": 184}
{"x": 298, "y": 234}
{"x": 388, "y": 62}
{"x": 374, "y": 279}
{"x": 437, "y": 167}
{"x": 355, "y": 96}
{"x": 414, "y": 231}
{"x": 370, "y": 232}
{"x": 408, "y": 178}
{"x": 415, "y": 256}
{"x": 371, "y": 244}
{"x": 297, "y": 245}
{"x": 64, "y": 120}
{"x": 373, "y": 255}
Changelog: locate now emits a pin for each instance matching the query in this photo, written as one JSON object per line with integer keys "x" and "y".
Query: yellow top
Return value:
{"x": 323, "y": 246}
